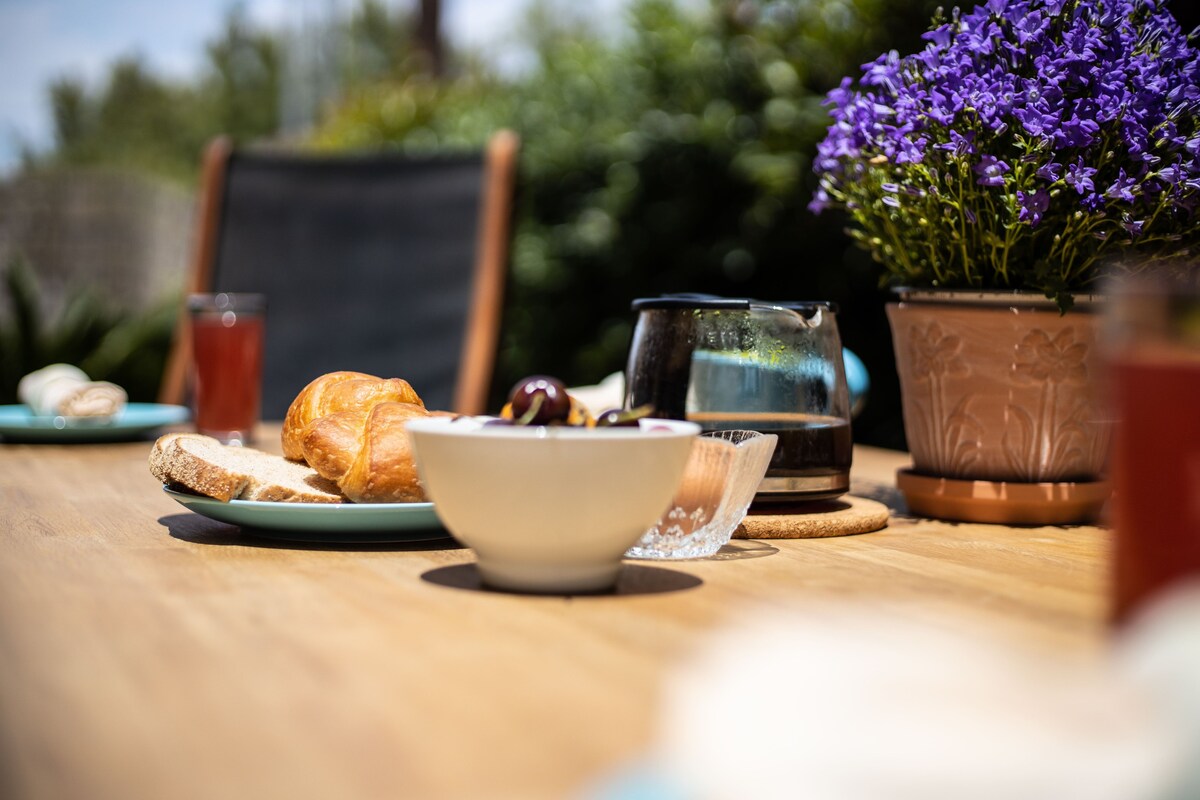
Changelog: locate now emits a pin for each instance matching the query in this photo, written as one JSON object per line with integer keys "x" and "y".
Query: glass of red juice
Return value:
{"x": 1154, "y": 383}
{"x": 227, "y": 353}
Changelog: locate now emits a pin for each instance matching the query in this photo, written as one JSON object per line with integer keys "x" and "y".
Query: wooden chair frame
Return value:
{"x": 481, "y": 342}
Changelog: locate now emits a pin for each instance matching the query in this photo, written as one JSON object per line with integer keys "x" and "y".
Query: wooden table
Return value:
{"x": 148, "y": 652}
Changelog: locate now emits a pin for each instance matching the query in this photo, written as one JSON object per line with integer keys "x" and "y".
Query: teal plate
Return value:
{"x": 18, "y": 423}
{"x": 331, "y": 523}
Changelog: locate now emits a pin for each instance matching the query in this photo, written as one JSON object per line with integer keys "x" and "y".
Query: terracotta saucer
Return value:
{"x": 1067, "y": 503}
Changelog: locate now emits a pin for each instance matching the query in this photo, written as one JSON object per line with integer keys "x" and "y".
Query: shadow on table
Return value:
{"x": 201, "y": 530}
{"x": 885, "y": 493}
{"x": 741, "y": 549}
{"x": 634, "y": 579}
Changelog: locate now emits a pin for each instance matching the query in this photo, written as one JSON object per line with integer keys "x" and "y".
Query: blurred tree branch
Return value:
{"x": 429, "y": 36}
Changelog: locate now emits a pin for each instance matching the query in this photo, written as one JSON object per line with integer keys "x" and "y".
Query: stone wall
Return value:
{"x": 126, "y": 236}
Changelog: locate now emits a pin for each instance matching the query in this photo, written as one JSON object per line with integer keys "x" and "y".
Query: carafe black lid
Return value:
{"x": 695, "y": 300}
{"x": 690, "y": 300}
{"x": 805, "y": 307}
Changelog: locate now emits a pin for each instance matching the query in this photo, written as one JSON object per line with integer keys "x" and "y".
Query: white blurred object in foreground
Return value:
{"x": 841, "y": 704}
{"x": 1160, "y": 652}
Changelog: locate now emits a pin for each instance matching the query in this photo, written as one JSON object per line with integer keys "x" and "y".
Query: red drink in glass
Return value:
{"x": 227, "y": 347}
{"x": 1156, "y": 472}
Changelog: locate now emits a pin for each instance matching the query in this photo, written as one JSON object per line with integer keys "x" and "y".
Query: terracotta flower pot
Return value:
{"x": 1001, "y": 406}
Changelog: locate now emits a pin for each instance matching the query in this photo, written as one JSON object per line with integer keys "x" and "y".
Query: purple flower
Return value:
{"x": 1034, "y": 121}
{"x": 1122, "y": 188}
{"x": 1050, "y": 172}
{"x": 1076, "y": 132}
{"x": 959, "y": 144}
{"x": 1079, "y": 177}
{"x": 1033, "y": 206}
{"x": 940, "y": 35}
{"x": 1042, "y": 112}
{"x": 821, "y": 201}
{"x": 911, "y": 151}
{"x": 1171, "y": 175}
{"x": 990, "y": 171}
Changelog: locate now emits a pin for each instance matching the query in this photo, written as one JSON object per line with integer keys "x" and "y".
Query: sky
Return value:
{"x": 41, "y": 40}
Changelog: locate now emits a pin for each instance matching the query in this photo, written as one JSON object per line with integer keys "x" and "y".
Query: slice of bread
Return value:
{"x": 205, "y": 466}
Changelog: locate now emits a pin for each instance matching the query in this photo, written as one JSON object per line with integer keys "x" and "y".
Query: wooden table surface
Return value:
{"x": 148, "y": 652}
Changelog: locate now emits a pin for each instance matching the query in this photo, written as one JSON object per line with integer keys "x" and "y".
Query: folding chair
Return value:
{"x": 384, "y": 263}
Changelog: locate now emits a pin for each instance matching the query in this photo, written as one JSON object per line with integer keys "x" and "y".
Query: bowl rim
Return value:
{"x": 472, "y": 427}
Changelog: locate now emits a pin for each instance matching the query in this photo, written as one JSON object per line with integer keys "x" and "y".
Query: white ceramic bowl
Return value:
{"x": 550, "y": 509}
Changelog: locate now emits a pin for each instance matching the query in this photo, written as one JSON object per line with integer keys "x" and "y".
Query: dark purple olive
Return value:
{"x": 619, "y": 418}
{"x": 540, "y": 400}
{"x": 613, "y": 419}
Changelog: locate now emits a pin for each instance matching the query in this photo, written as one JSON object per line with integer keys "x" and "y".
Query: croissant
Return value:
{"x": 367, "y": 452}
{"x": 335, "y": 392}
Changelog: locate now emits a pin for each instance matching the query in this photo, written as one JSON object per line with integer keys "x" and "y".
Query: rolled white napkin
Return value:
{"x": 65, "y": 390}
{"x": 93, "y": 399}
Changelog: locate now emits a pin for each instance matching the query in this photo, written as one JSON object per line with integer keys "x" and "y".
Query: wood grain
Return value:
{"x": 147, "y": 652}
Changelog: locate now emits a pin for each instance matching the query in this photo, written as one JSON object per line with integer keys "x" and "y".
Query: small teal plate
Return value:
{"x": 335, "y": 523}
{"x": 18, "y": 423}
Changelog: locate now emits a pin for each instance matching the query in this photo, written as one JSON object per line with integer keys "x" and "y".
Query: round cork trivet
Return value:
{"x": 846, "y": 515}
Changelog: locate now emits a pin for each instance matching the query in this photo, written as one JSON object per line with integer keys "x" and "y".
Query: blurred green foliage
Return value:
{"x": 140, "y": 121}
{"x": 129, "y": 350}
{"x": 674, "y": 158}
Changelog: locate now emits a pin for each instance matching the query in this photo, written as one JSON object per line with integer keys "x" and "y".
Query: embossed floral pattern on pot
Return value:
{"x": 1057, "y": 435}
{"x": 947, "y": 433}
{"x": 1002, "y": 394}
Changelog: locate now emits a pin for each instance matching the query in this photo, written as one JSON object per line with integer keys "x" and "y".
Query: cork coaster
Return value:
{"x": 846, "y": 515}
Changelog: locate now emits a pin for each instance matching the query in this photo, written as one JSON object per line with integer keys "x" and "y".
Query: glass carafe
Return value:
{"x": 741, "y": 364}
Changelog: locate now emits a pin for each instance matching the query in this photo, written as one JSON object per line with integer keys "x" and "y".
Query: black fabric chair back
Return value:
{"x": 366, "y": 263}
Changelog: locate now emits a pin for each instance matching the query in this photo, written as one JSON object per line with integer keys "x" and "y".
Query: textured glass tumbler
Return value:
{"x": 722, "y": 476}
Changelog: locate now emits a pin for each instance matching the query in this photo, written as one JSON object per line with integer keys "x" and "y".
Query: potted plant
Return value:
{"x": 995, "y": 174}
